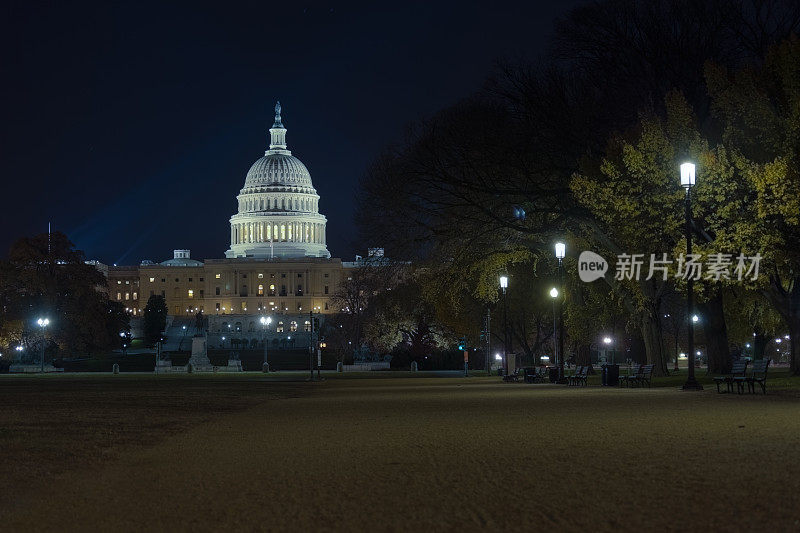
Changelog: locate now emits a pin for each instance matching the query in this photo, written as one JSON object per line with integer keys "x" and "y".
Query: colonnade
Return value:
{"x": 246, "y": 232}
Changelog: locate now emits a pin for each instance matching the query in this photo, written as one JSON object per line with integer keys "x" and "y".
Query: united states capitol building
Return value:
{"x": 277, "y": 265}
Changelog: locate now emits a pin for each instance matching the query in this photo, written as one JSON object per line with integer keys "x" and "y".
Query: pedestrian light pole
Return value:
{"x": 554, "y": 296}
{"x": 265, "y": 321}
{"x": 561, "y": 251}
{"x": 688, "y": 181}
{"x": 503, "y": 287}
{"x": 43, "y": 323}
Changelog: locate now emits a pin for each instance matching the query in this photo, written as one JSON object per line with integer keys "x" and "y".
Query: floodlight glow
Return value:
{"x": 498, "y": 356}
{"x": 687, "y": 175}
{"x": 747, "y": 345}
{"x": 607, "y": 340}
{"x": 503, "y": 282}
{"x": 554, "y": 292}
{"x": 695, "y": 318}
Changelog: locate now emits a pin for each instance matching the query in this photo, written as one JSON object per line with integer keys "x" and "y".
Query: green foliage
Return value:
{"x": 45, "y": 276}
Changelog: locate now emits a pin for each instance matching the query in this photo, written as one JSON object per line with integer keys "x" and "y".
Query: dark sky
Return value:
{"x": 131, "y": 126}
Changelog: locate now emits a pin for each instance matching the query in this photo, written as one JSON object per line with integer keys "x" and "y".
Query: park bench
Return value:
{"x": 542, "y": 375}
{"x": 535, "y": 375}
{"x": 571, "y": 378}
{"x": 738, "y": 370}
{"x": 580, "y": 376}
{"x": 644, "y": 376}
{"x": 759, "y": 376}
{"x": 633, "y": 371}
{"x": 509, "y": 378}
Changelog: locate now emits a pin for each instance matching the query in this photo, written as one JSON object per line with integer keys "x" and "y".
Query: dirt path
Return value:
{"x": 450, "y": 455}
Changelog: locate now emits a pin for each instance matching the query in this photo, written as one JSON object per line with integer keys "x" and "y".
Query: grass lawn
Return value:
{"x": 211, "y": 452}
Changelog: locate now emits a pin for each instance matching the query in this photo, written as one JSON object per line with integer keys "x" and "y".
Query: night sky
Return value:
{"x": 131, "y": 126}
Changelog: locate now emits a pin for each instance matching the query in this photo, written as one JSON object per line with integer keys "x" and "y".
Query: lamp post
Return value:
{"x": 608, "y": 341}
{"x": 503, "y": 287}
{"x": 554, "y": 295}
{"x": 687, "y": 181}
{"x": 43, "y": 322}
{"x": 561, "y": 251}
{"x": 265, "y": 321}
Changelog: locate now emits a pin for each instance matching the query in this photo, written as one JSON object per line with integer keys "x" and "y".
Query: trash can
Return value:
{"x": 553, "y": 373}
{"x": 610, "y": 375}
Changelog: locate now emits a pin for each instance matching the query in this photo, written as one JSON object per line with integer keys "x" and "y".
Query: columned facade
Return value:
{"x": 278, "y": 207}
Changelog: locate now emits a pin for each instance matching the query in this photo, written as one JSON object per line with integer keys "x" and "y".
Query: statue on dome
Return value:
{"x": 277, "y": 115}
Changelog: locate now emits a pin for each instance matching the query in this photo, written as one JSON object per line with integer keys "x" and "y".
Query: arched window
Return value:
{"x": 251, "y": 326}
{"x": 279, "y": 327}
{"x": 261, "y": 290}
{"x": 307, "y": 325}
{"x": 238, "y": 326}
{"x": 293, "y": 326}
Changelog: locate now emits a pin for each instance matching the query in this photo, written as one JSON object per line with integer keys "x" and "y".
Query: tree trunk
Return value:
{"x": 787, "y": 303}
{"x": 583, "y": 356}
{"x": 654, "y": 347}
{"x": 716, "y": 334}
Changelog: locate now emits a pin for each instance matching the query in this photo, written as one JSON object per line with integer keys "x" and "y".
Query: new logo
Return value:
{"x": 591, "y": 266}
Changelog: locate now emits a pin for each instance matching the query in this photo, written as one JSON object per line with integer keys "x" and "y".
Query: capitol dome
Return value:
{"x": 278, "y": 213}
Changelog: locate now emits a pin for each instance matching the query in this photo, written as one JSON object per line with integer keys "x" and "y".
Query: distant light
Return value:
{"x": 503, "y": 282}
{"x": 778, "y": 341}
{"x": 607, "y": 340}
{"x": 121, "y": 333}
{"x": 43, "y": 322}
{"x": 545, "y": 358}
{"x": 561, "y": 250}
{"x": 223, "y": 338}
{"x": 19, "y": 348}
{"x": 554, "y": 292}
{"x": 682, "y": 355}
{"x": 184, "y": 327}
{"x": 498, "y": 356}
{"x": 695, "y": 318}
{"x": 786, "y": 337}
{"x": 698, "y": 352}
{"x": 747, "y": 345}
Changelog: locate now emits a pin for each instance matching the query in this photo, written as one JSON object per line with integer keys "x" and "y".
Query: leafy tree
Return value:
{"x": 45, "y": 276}
{"x": 154, "y": 319}
{"x": 760, "y": 110}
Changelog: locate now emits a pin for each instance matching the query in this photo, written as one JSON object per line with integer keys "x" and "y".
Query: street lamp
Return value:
{"x": 43, "y": 322}
{"x": 554, "y": 295}
{"x": 608, "y": 341}
{"x": 687, "y": 182}
{"x": 265, "y": 321}
{"x": 503, "y": 287}
{"x": 561, "y": 252}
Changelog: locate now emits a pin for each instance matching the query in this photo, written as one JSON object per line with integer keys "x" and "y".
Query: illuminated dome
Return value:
{"x": 278, "y": 213}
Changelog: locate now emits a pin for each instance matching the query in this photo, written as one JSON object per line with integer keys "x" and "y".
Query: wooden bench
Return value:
{"x": 529, "y": 374}
{"x": 509, "y": 378}
{"x": 580, "y": 376}
{"x": 632, "y": 373}
{"x": 738, "y": 370}
{"x": 759, "y": 376}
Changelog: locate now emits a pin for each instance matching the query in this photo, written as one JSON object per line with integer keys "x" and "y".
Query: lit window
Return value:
{"x": 152, "y": 280}
{"x": 244, "y": 306}
{"x": 135, "y": 296}
{"x": 119, "y": 296}
{"x": 217, "y": 276}
{"x": 119, "y": 282}
{"x": 279, "y": 327}
{"x": 127, "y": 282}
{"x": 260, "y": 276}
{"x": 293, "y": 326}
{"x": 308, "y": 325}
{"x": 261, "y": 290}
{"x": 127, "y": 296}
{"x": 191, "y": 293}
{"x": 217, "y": 306}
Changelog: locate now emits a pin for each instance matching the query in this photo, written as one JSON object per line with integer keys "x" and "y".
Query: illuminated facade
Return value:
{"x": 278, "y": 262}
